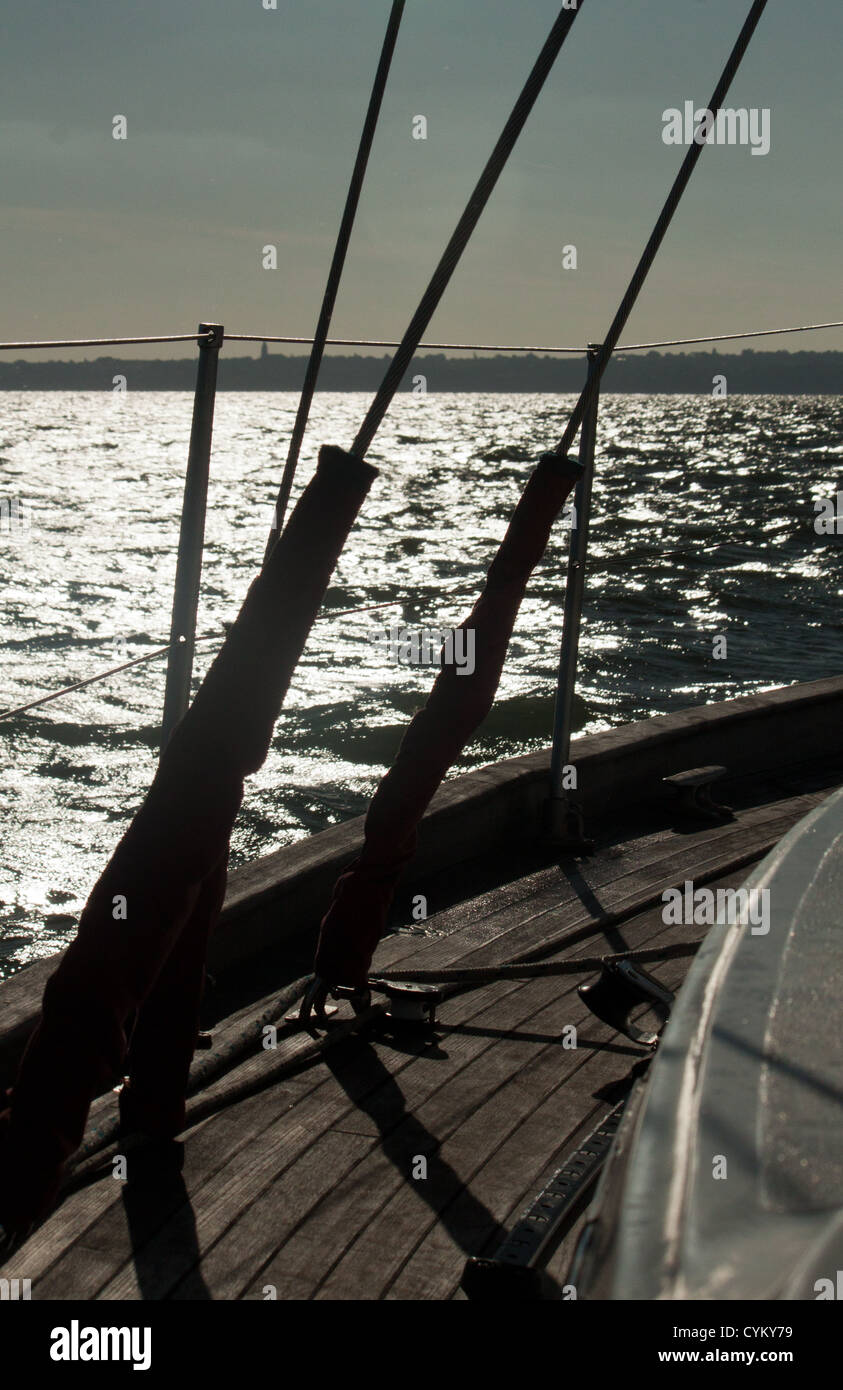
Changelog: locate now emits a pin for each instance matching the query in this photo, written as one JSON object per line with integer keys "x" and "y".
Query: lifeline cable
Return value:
{"x": 464, "y": 228}
{"x": 335, "y": 272}
{"x": 525, "y": 347}
{"x": 422, "y": 347}
{"x": 208, "y": 637}
{"x": 657, "y": 235}
{"x": 109, "y": 342}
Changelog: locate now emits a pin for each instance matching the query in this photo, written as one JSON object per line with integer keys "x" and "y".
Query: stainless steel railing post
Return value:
{"x": 192, "y": 534}
{"x": 564, "y": 824}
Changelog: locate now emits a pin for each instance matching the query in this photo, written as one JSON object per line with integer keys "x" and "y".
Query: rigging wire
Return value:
{"x": 464, "y": 228}
{"x": 335, "y": 272}
{"x": 657, "y": 235}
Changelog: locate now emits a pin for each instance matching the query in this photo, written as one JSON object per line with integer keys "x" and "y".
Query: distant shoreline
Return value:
{"x": 652, "y": 373}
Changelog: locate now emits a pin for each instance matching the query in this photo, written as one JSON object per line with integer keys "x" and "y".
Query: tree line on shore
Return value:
{"x": 747, "y": 372}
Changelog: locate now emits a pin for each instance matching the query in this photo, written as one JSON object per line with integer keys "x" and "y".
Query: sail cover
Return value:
{"x": 457, "y": 704}
{"x": 140, "y": 948}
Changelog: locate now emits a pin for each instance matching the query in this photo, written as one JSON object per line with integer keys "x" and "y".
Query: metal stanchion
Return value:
{"x": 565, "y": 827}
{"x": 192, "y": 534}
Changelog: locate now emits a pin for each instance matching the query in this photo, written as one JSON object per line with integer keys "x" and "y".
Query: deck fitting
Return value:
{"x": 565, "y": 828}
{"x": 621, "y": 987}
{"x": 516, "y": 1271}
{"x": 692, "y": 790}
{"x": 409, "y": 1002}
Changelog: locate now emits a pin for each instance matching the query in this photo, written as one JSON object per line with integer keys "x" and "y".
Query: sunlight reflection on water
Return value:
{"x": 703, "y": 525}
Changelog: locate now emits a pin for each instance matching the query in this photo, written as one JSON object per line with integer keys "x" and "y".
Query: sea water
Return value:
{"x": 707, "y": 578}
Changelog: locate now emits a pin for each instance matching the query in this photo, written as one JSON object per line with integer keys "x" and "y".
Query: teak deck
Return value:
{"x": 306, "y": 1189}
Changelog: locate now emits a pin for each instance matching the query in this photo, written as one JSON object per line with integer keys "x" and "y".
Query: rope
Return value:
{"x": 241, "y": 1047}
{"x": 483, "y": 975}
{"x": 77, "y": 685}
{"x": 657, "y": 235}
{"x": 521, "y": 347}
{"x": 90, "y": 1153}
{"x": 209, "y": 637}
{"x": 335, "y": 272}
{"x": 106, "y": 342}
{"x": 206, "y": 1067}
{"x": 459, "y": 240}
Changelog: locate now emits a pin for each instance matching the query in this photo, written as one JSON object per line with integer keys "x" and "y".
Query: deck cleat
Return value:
{"x": 691, "y": 791}
{"x": 622, "y": 987}
{"x": 408, "y": 1002}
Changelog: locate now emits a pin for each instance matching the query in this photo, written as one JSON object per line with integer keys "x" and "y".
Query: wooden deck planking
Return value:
{"x": 313, "y": 1249}
{"x": 442, "y": 951}
{"x": 678, "y": 857}
{"x": 571, "y": 1009}
{"x": 309, "y": 1248}
{"x": 513, "y": 1064}
{"x": 610, "y": 861}
{"x": 671, "y": 973}
{"x": 437, "y": 952}
{"x": 409, "y": 1126}
{"x": 316, "y": 1079}
{"x": 95, "y": 1216}
{"x": 314, "y": 1116}
{"x": 522, "y": 1165}
{"x": 322, "y": 1104}
{"x": 287, "y": 1123}
{"x": 450, "y": 1210}
{"x": 80, "y": 1209}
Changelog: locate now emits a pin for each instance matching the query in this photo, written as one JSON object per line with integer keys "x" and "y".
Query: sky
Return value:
{"x": 241, "y": 128}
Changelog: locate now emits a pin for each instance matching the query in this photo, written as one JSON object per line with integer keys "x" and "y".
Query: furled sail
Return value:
{"x": 457, "y": 704}
{"x": 140, "y": 947}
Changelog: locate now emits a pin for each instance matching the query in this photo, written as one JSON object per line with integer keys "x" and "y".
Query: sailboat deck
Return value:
{"x": 306, "y": 1189}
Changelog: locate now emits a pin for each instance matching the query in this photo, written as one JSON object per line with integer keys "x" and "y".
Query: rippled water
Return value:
{"x": 703, "y": 526}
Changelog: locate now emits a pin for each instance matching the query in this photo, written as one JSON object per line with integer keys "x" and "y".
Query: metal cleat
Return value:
{"x": 692, "y": 789}
{"x": 623, "y": 986}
